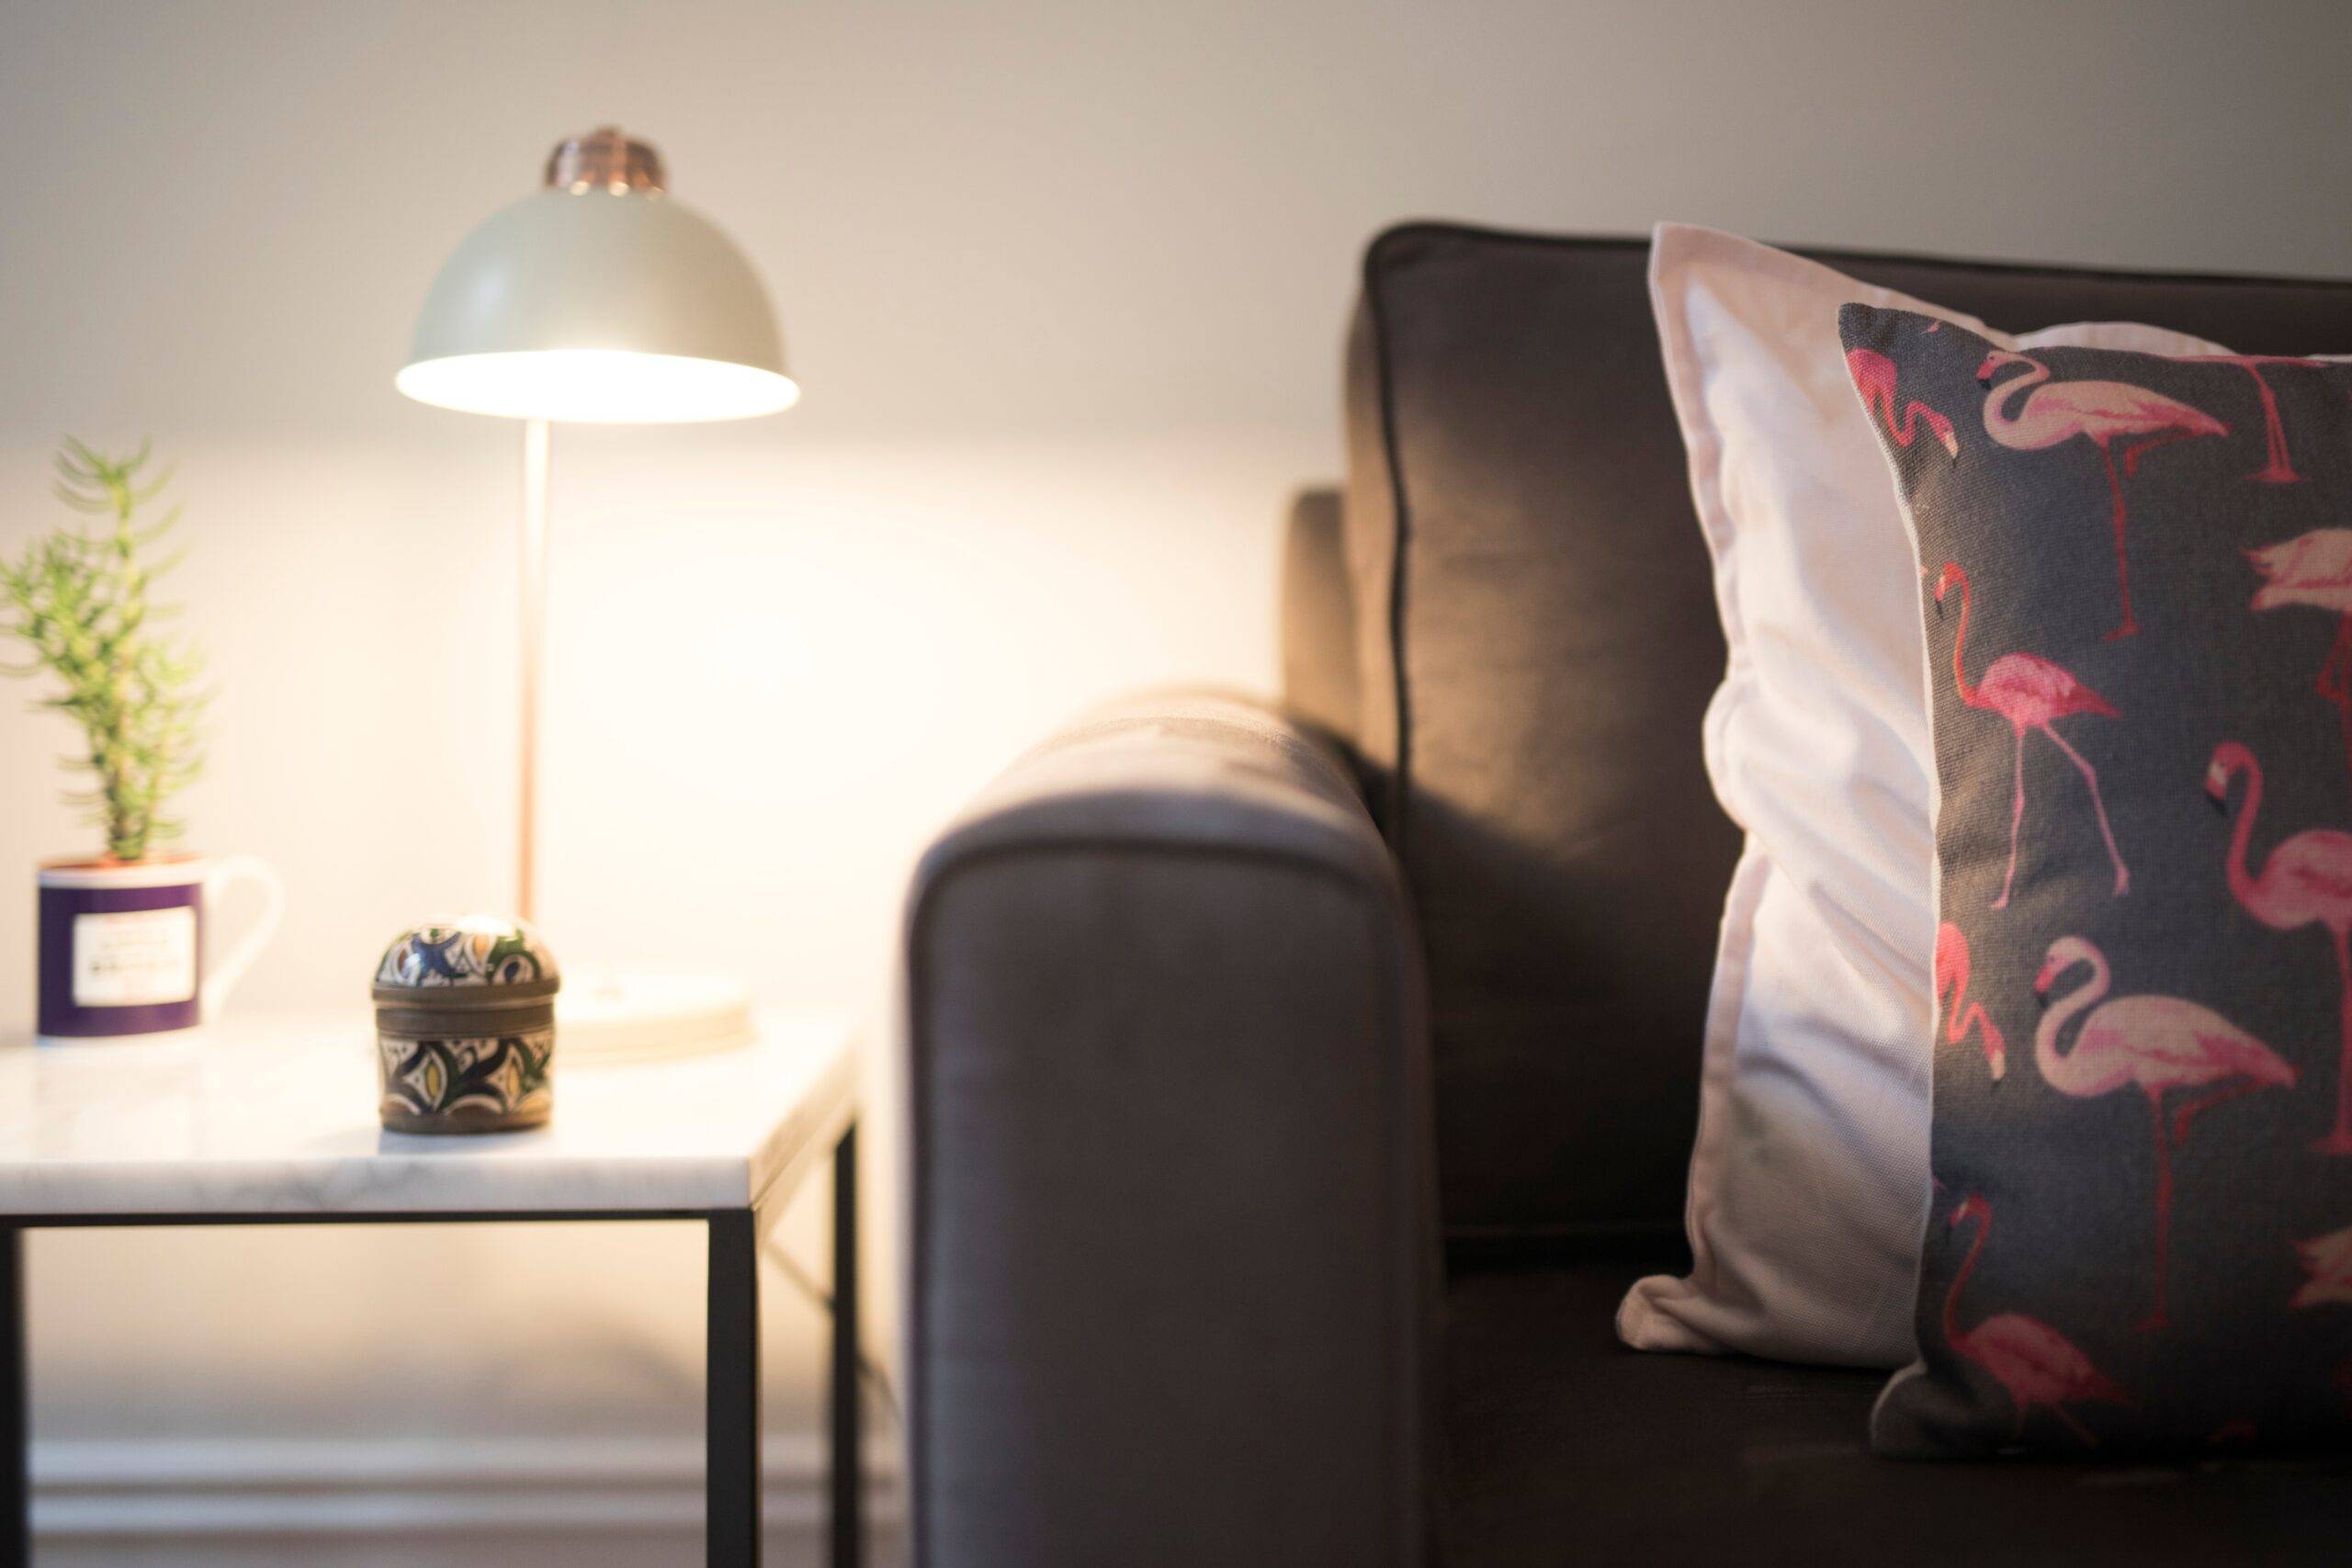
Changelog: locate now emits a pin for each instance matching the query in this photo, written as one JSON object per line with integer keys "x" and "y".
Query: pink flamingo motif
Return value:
{"x": 2306, "y": 881}
{"x": 2276, "y": 468}
{"x": 2102, "y": 412}
{"x": 2315, "y": 568}
{"x": 1874, "y": 375}
{"x": 2154, "y": 1045}
{"x": 2328, "y": 1260}
{"x": 2031, "y": 694}
{"x": 2034, "y": 1364}
{"x": 1962, "y": 1015}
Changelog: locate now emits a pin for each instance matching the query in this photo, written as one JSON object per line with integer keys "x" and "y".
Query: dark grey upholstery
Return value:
{"x": 1536, "y": 639}
{"x": 1169, "y": 1043}
{"x": 1173, "y": 1266}
{"x": 1567, "y": 1448}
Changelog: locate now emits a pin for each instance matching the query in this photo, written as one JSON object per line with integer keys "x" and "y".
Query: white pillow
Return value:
{"x": 1809, "y": 1178}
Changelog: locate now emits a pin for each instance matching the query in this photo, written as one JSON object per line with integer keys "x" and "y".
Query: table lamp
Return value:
{"x": 600, "y": 300}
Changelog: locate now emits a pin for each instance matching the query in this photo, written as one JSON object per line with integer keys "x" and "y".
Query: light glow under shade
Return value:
{"x": 597, "y": 386}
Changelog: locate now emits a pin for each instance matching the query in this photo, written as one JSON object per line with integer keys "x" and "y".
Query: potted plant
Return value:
{"x": 121, "y": 933}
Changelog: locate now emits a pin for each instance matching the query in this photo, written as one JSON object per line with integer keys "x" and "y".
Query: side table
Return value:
{"x": 273, "y": 1123}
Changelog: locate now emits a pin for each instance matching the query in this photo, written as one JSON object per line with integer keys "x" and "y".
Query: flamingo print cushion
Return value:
{"x": 2135, "y": 581}
{"x": 1812, "y": 1146}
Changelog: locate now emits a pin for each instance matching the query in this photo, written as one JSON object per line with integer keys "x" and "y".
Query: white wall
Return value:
{"x": 1064, "y": 282}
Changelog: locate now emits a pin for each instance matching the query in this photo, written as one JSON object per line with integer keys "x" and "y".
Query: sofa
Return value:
{"x": 1294, "y": 1092}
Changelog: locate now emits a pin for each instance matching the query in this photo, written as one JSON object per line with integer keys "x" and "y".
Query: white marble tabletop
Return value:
{"x": 278, "y": 1116}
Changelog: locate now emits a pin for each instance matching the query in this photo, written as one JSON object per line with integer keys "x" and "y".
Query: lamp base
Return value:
{"x": 634, "y": 1015}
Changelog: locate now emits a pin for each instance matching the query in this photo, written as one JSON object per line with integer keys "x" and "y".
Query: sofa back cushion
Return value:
{"x": 1536, "y": 642}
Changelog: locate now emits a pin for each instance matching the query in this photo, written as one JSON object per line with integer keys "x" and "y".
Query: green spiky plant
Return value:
{"x": 79, "y": 597}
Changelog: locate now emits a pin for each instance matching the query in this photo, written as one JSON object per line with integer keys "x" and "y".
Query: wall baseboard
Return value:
{"x": 188, "y": 1495}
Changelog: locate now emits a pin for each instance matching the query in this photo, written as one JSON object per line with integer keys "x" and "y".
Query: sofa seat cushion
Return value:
{"x": 1566, "y": 1447}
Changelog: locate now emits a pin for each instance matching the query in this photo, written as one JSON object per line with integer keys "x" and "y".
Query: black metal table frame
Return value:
{"x": 730, "y": 1375}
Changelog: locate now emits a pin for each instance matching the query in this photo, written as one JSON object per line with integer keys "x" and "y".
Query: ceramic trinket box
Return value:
{"x": 465, "y": 1027}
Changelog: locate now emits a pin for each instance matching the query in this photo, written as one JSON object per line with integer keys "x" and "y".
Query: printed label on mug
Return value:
{"x": 136, "y": 958}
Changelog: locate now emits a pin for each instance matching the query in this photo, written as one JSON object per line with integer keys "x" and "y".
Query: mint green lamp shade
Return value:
{"x": 600, "y": 300}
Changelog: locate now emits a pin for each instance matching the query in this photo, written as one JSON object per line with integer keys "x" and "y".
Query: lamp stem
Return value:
{"x": 535, "y": 641}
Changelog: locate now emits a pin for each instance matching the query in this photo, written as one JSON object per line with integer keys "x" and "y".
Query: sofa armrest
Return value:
{"x": 1172, "y": 1249}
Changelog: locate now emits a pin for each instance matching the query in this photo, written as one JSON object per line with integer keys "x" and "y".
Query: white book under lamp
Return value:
{"x": 601, "y": 301}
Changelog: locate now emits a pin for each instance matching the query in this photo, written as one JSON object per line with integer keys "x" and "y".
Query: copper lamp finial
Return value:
{"x": 606, "y": 158}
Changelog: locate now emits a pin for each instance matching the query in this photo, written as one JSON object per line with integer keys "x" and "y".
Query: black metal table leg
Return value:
{"x": 732, "y": 1392}
{"x": 848, "y": 1469}
{"x": 16, "y": 1416}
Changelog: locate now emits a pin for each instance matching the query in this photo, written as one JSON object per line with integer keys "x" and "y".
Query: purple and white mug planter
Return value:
{"x": 122, "y": 946}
